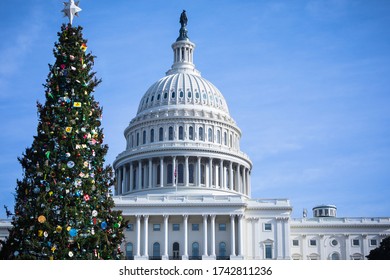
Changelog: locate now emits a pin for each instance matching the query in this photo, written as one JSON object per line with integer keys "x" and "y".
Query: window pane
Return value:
{"x": 169, "y": 174}
{"x": 175, "y": 227}
{"x": 210, "y": 135}
{"x": 267, "y": 226}
{"x": 191, "y": 173}
{"x": 201, "y": 137}
{"x": 152, "y": 135}
{"x": 171, "y": 133}
{"x": 180, "y": 174}
{"x": 181, "y": 133}
{"x": 195, "y": 227}
{"x": 222, "y": 227}
{"x": 156, "y": 227}
{"x": 191, "y": 133}
{"x": 161, "y": 134}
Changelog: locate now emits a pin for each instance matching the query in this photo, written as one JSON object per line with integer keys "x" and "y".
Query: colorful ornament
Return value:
{"x": 73, "y": 232}
{"x": 103, "y": 225}
{"x": 77, "y": 104}
{"x": 70, "y": 164}
{"x": 83, "y": 47}
{"x": 68, "y": 129}
{"x": 41, "y": 219}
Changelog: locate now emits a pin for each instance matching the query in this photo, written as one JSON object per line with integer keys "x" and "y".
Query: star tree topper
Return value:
{"x": 71, "y": 10}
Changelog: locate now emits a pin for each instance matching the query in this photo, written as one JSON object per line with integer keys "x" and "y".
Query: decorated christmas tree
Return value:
{"x": 63, "y": 207}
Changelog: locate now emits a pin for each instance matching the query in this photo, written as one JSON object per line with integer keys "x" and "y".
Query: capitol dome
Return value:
{"x": 183, "y": 139}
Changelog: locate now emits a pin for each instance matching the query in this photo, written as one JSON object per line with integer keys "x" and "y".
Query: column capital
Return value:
{"x": 166, "y": 216}
{"x": 212, "y": 216}
{"x": 146, "y": 216}
{"x": 185, "y": 216}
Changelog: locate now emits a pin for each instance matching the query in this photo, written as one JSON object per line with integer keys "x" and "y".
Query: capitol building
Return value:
{"x": 184, "y": 185}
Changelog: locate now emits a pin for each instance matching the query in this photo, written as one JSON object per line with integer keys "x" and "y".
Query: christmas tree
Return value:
{"x": 63, "y": 207}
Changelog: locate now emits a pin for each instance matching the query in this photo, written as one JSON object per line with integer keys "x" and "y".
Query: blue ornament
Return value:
{"x": 103, "y": 225}
{"x": 73, "y": 232}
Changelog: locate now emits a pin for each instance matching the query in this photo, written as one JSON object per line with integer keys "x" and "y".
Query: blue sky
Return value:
{"x": 306, "y": 81}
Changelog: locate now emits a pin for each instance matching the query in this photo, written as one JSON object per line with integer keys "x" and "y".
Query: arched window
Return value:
{"x": 195, "y": 250}
{"x": 161, "y": 134}
{"x": 176, "y": 250}
{"x": 191, "y": 133}
{"x": 165, "y": 95}
{"x": 225, "y": 138}
{"x": 173, "y": 95}
{"x": 137, "y": 139}
{"x": 231, "y": 141}
{"x": 152, "y": 135}
{"x": 170, "y": 132}
{"x": 144, "y": 137}
{"x": 191, "y": 173}
{"x": 181, "y": 133}
{"x": 210, "y": 135}
{"x": 222, "y": 249}
{"x": 169, "y": 174}
{"x": 181, "y": 94}
{"x": 156, "y": 250}
{"x": 201, "y": 136}
{"x": 335, "y": 256}
{"x": 218, "y": 136}
{"x": 129, "y": 251}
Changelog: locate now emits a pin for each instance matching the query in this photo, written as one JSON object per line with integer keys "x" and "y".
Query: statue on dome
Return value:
{"x": 183, "y": 19}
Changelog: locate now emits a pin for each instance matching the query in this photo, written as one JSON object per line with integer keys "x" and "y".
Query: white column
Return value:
{"x": 186, "y": 180}
{"x": 124, "y": 175}
{"x": 212, "y": 235}
{"x": 205, "y": 245}
{"x": 161, "y": 171}
{"x": 198, "y": 174}
{"x": 249, "y": 182}
{"x": 150, "y": 173}
{"x": 347, "y": 247}
{"x": 238, "y": 186}
{"x": 321, "y": 247}
{"x": 231, "y": 176}
{"x": 173, "y": 171}
{"x": 279, "y": 243}
{"x": 166, "y": 256}
{"x": 120, "y": 172}
{"x": 138, "y": 235}
{"x": 131, "y": 177}
{"x": 365, "y": 246}
{"x": 146, "y": 234}
{"x": 244, "y": 185}
{"x": 185, "y": 221}
{"x": 240, "y": 236}
{"x": 210, "y": 172}
{"x": 286, "y": 224}
{"x": 221, "y": 175}
{"x": 139, "y": 175}
{"x": 232, "y": 236}
{"x": 304, "y": 247}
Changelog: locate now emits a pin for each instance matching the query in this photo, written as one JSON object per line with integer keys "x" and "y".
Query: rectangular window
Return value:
{"x": 355, "y": 242}
{"x": 156, "y": 227}
{"x": 313, "y": 242}
{"x": 222, "y": 227}
{"x": 295, "y": 242}
{"x": 175, "y": 227}
{"x": 267, "y": 227}
{"x": 195, "y": 227}
{"x": 130, "y": 227}
{"x": 268, "y": 251}
{"x": 373, "y": 242}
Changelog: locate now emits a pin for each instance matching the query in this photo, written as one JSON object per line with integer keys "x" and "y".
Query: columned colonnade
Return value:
{"x": 172, "y": 171}
{"x": 208, "y": 248}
